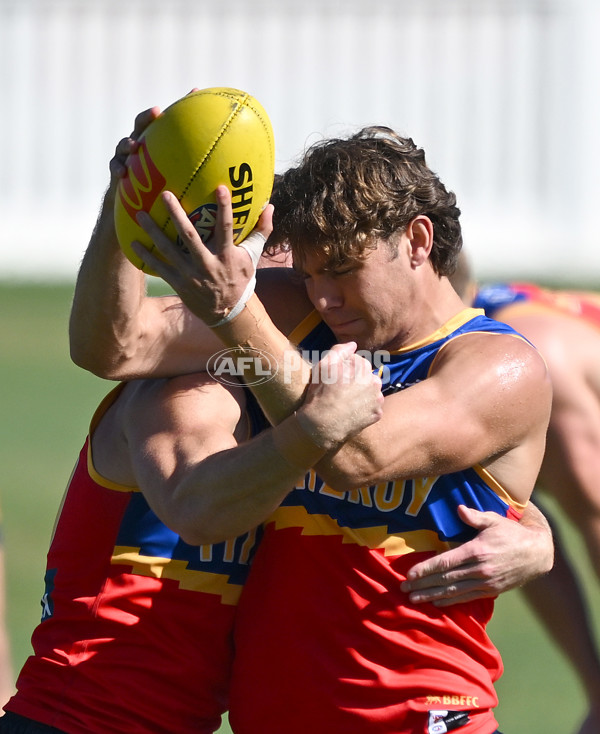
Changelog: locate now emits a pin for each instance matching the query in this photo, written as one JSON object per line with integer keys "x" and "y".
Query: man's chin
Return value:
{"x": 348, "y": 332}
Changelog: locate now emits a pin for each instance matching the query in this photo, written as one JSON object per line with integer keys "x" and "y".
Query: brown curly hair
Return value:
{"x": 347, "y": 193}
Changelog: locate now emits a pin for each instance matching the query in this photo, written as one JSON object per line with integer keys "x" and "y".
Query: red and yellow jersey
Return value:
{"x": 136, "y": 630}
{"x": 529, "y": 298}
{"x": 325, "y": 639}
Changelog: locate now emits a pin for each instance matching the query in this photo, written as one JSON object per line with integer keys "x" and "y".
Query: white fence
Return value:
{"x": 503, "y": 94}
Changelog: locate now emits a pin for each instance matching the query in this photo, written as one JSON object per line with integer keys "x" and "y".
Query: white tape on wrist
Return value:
{"x": 254, "y": 244}
{"x": 248, "y": 291}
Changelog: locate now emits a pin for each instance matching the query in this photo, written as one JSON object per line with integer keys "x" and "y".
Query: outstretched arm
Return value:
{"x": 504, "y": 555}
{"x": 110, "y": 291}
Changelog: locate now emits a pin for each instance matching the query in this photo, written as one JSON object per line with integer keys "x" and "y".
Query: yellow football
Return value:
{"x": 210, "y": 137}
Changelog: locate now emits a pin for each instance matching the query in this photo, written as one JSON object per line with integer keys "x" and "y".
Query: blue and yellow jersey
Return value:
{"x": 136, "y": 630}
{"x": 526, "y": 298}
{"x": 324, "y": 596}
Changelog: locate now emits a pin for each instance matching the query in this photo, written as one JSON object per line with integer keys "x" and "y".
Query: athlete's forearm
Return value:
{"x": 541, "y": 545}
{"x": 265, "y": 352}
{"x": 109, "y": 292}
{"x": 116, "y": 330}
{"x": 235, "y": 490}
{"x": 269, "y": 352}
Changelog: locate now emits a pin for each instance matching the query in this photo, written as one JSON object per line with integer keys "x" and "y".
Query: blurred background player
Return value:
{"x": 565, "y": 326}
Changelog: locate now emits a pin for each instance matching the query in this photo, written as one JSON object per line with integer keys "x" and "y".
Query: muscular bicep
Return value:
{"x": 172, "y": 341}
{"x": 486, "y": 396}
{"x": 161, "y": 337}
{"x": 171, "y": 430}
{"x": 423, "y": 432}
{"x": 177, "y": 342}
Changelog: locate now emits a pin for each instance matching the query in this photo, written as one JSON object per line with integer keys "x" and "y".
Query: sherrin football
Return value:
{"x": 210, "y": 137}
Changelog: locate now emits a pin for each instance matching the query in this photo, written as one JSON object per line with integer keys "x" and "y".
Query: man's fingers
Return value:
{"x": 475, "y": 518}
{"x": 155, "y": 263}
{"x": 443, "y": 563}
{"x": 342, "y": 351}
{"x": 125, "y": 147}
{"x": 430, "y": 579}
{"x": 143, "y": 120}
{"x": 461, "y": 598}
{"x": 265, "y": 221}
{"x": 224, "y": 229}
{"x": 162, "y": 244}
{"x": 451, "y": 593}
{"x": 334, "y": 365}
{"x": 185, "y": 229}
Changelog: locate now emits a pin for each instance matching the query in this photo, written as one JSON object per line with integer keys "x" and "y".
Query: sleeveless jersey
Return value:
{"x": 136, "y": 630}
{"x": 325, "y": 639}
{"x": 532, "y": 298}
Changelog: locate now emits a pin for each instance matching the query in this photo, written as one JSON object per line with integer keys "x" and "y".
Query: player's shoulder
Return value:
{"x": 184, "y": 400}
{"x": 283, "y": 286}
{"x": 505, "y": 356}
{"x": 494, "y": 343}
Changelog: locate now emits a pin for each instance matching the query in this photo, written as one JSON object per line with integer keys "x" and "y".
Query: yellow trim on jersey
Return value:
{"x": 304, "y": 328}
{"x": 445, "y": 329}
{"x": 102, "y": 481}
{"x": 105, "y": 404}
{"x": 313, "y": 319}
{"x": 168, "y": 568}
{"x": 379, "y": 537}
{"x": 498, "y": 489}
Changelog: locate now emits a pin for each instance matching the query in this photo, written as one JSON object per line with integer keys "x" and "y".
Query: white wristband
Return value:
{"x": 254, "y": 244}
{"x": 248, "y": 291}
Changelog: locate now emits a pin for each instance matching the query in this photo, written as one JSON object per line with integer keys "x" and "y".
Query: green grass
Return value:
{"x": 45, "y": 408}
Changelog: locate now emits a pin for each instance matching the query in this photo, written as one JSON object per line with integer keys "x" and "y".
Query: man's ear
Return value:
{"x": 419, "y": 232}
